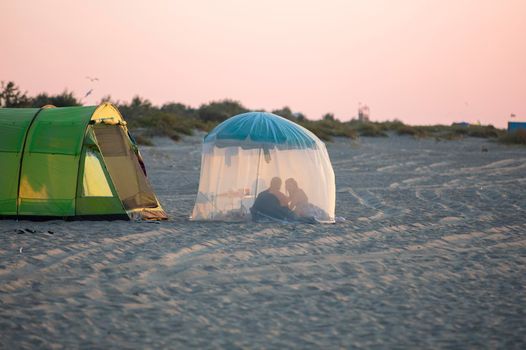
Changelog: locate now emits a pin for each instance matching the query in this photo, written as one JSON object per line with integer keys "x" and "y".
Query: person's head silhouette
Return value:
{"x": 291, "y": 185}
{"x": 275, "y": 184}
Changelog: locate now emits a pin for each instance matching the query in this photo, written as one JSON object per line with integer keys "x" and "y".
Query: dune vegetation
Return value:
{"x": 518, "y": 137}
{"x": 175, "y": 120}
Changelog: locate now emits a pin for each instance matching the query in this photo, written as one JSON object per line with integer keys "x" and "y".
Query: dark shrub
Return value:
{"x": 220, "y": 111}
{"x": 371, "y": 130}
{"x": 412, "y": 131}
{"x": 65, "y": 99}
{"x": 518, "y": 137}
{"x": 143, "y": 140}
{"x": 12, "y": 97}
{"x": 483, "y": 131}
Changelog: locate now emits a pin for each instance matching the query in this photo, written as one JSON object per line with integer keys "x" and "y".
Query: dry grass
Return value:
{"x": 517, "y": 138}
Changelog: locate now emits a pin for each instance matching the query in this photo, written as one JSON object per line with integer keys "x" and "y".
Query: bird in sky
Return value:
{"x": 92, "y": 79}
{"x": 88, "y": 93}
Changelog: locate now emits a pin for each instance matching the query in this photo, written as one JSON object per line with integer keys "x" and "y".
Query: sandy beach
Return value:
{"x": 432, "y": 255}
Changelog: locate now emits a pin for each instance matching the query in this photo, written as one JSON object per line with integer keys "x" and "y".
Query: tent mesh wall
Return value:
{"x": 242, "y": 155}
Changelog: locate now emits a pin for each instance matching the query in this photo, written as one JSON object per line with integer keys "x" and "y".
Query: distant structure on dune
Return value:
{"x": 516, "y": 125}
{"x": 363, "y": 113}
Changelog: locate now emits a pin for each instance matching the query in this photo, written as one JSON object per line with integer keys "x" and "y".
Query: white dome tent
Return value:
{"x": 243, "y": 155}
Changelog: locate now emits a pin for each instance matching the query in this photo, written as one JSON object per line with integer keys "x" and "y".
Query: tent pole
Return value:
{"x": 257, "y": 174}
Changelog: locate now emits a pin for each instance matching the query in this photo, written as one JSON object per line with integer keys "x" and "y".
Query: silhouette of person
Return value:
{"x": 299, "y": 203}
{"x": 275, "y": 189}
{"x": 298, "y": 200}
{"x": 272, "y": 203}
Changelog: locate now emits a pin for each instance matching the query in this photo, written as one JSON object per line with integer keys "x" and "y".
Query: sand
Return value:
{"x": 432, "y": 255}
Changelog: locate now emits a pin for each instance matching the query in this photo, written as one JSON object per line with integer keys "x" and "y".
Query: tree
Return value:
{"x": 65, "y": 99}
{"x": 221, "y": 110}
{"x": 300, "y": 117}
{"x": 138, "y": 107}
{"x": 328, "y": 116}
{"x": 285, "y": 112}
{"x": 179, "y": 109}
{"x": 108, "y": 99}
{"x": 11, "y": 96}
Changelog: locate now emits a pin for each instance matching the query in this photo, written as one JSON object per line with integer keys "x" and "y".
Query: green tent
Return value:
{"x": 71, "y": 162}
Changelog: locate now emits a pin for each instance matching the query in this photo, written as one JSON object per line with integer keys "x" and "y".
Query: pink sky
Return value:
{"x": 421, "y": 61}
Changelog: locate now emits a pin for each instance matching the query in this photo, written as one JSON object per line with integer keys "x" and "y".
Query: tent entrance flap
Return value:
{"x": 124, "y": 168}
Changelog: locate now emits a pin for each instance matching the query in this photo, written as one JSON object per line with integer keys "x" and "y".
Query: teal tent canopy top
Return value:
{"x": 261, "y": 130}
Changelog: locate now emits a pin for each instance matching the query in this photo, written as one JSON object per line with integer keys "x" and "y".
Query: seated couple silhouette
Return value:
{"x": 273, "y": 204}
